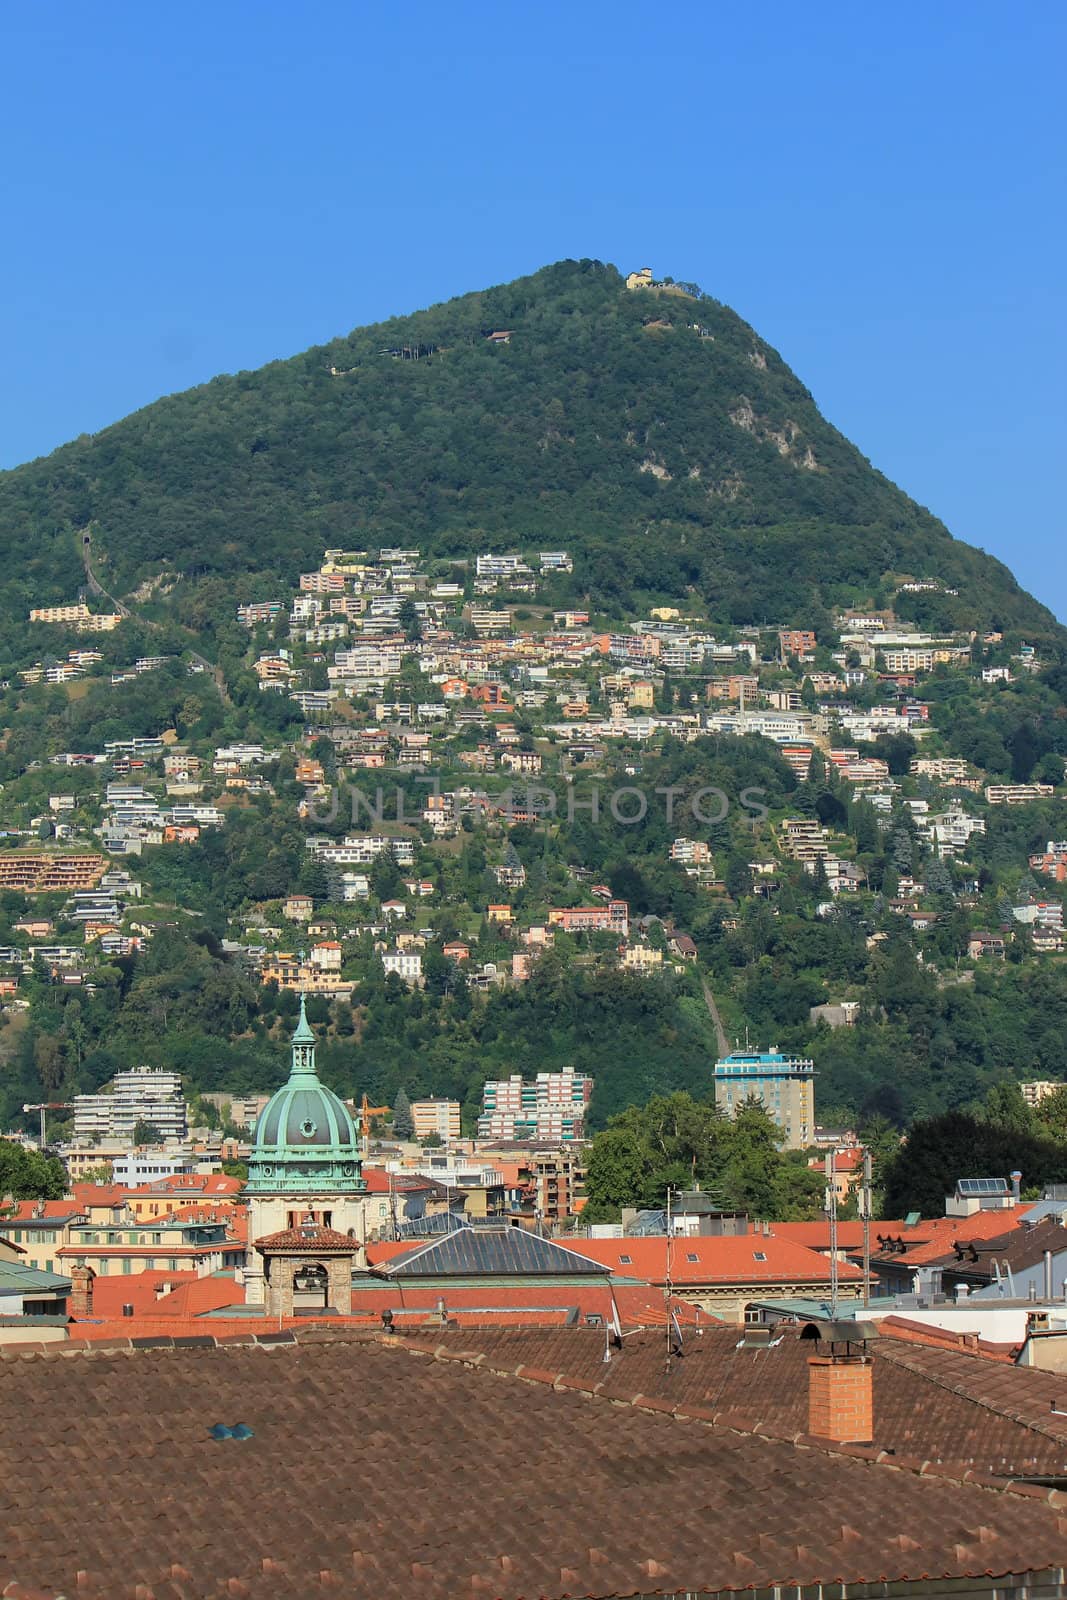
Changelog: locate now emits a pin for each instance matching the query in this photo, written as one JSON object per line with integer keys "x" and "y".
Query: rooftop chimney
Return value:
{"x": 81, "y": 1291}
{"x": 841, "y": 1399}
{"x": 1016, "y": 1185}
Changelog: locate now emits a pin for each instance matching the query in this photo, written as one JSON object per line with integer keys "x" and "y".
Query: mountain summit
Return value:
{"x": 641, "y": 425}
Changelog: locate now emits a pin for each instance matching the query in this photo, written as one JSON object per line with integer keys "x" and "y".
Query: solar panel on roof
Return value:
{"x": 982, "y": 1186}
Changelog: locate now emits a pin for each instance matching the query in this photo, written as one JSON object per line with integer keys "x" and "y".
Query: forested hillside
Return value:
{"x": 653, "y": 432}
{"x": 561, "y": 534}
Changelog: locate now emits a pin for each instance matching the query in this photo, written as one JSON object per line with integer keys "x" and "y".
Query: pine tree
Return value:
{"x": 403, "y": 1121}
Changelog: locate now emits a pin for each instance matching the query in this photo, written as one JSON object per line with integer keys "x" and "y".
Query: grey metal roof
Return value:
{"x": 15, "y": 1276}
{"x": 508, "y": 1252}
{"x": 431, "y": 1225}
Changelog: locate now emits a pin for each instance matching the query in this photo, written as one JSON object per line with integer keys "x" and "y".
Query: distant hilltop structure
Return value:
{"x": 641, "y": 279}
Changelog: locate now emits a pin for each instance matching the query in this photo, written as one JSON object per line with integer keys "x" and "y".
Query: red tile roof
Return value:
{"x": 211, "y": 1184}
{"x": 38, "y": 1211}
{"x": 100, "y": 1194}
{"x": 927, "y": 1242}
{"x": 156, "y": 1297}
{"x": 717, "y": 1260}
{"x": 314, "y": 1237}
{"x": 388, "y": 1250}
{"x": 378, "y": 1182}
{"x": 816, "y": 1235}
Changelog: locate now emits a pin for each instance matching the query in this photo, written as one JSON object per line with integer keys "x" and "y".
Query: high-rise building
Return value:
{"x": 143, "y": 1094}
{"x": 785, "y": 1084}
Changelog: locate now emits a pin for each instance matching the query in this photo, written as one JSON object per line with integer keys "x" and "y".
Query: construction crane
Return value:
{"x": 365, "y": 1113}
{"x": 48, "y": 1105}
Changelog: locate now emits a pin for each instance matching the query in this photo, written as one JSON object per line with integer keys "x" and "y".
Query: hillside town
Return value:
{"x": 433, "y": 705}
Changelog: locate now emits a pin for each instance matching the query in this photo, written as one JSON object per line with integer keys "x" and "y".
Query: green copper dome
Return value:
{"x": 305, "y": 1140}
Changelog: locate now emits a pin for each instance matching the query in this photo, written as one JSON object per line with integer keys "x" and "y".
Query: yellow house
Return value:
{"x": 642, "y": 957}
{"x": 641, "y": 279}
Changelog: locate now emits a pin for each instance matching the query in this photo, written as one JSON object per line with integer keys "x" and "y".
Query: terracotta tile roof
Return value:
{"x": 816, "y": 1235}
{"x": 911, "y": 1332}
{"x": 925, "y": 1243}
{"x": 747, "y": 1258}
{"x": 42, "y": 1211}
{"x": 158, "y": 1299}
{"x": 377, "y": 1182}
{"x": 611, "y": 1500}
{"x": 100, "y": 1194}
{"x": 917, "y": 1412}
{"x": 112, "y": 1291}
{"x": 515, "y": 1304}
{"x": 1018, "y": 1249}
{"x": 213, "y": 1184}
{"x": 388, "y": 1250}
{"x": 314, "y": 1237}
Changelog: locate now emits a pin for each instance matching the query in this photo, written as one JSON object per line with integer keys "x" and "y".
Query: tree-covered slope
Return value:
{"x": 651, "y": 433}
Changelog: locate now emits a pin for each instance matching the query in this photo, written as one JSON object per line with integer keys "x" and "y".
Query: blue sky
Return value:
{"x": 199, "y": 188}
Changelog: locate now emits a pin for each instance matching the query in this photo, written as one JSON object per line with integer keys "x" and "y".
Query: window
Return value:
{"x": 625, "y": 1261}
{"x": 759, "y": 1255}
{"x": 692, "y": 1256}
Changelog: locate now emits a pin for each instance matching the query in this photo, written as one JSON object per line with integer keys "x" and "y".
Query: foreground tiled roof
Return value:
{"x": 944, "y": 1406}
{"x": 574, "y": 1496}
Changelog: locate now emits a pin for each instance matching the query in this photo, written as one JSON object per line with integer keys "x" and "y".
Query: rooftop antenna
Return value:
{"x": 831, "y": 1207}
{"x": 668, "y": 1292}
{"x": 865, "y": 1214}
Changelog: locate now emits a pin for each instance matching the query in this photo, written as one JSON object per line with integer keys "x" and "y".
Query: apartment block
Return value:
{"x": 41, "y": 872}
{"x": 436, "y": 1116}
{"x": 550, "y": 1108}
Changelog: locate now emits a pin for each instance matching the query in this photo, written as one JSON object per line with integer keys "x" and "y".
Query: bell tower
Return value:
{"x": 305, "y": 1169}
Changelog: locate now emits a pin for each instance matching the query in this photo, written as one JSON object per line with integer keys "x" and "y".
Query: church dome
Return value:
{"x": 305, "y": 1139}
{"x": 298, "y": 1116}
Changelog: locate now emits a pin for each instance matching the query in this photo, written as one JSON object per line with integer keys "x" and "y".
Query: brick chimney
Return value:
{"x": 81, "y": 1291}
{"x": 841, "y": 1398}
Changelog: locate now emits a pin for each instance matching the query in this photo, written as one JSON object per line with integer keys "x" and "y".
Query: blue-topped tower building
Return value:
{"x": 305, "y": 1164}
{"x": 784, "y": 1083}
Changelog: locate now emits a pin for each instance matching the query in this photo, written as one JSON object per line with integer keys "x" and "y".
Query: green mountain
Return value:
{"x": 651, "y": 432}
